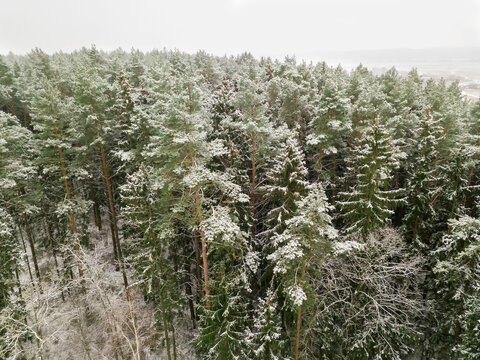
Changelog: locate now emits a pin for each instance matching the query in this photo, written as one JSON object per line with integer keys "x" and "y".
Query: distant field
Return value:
{"x": 451, "y": 64}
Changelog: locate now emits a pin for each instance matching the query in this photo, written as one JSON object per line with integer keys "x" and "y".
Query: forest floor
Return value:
{"x": 91, "y": 317}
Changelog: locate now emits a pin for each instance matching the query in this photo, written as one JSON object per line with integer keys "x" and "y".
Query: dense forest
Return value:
{"x": 164, "y": 205}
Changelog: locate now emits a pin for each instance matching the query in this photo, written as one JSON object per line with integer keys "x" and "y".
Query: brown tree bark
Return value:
{"x": 204, "y": 244}
{"x": 32, "y": 249}
{"x": 111, "y": 205}
{"x": 253, "y": 187}
{"x": 67, "y": 192}
{"x": 299, "y": 314}
{"x": 96, "y": 207}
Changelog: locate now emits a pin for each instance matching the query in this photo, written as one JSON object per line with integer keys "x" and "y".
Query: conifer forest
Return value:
{"x": 166, "y": 205}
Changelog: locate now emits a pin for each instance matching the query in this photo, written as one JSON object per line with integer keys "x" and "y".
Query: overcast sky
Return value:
{"x": 263, "y": 27}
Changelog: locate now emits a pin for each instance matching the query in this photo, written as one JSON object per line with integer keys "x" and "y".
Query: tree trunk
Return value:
{"x": 197, "y": 263}
{"x": 67, "y": 192}
{"x": 253, "y": 187}
{"x": 111, "y": 205}
{"x": 188, "y": 291}
{"x": 334, "y": 178}
{"x": 470, "y": 175}
{"x": 299, "y": 314}
{"x": 204, "y": 245}
{"x": 174, "y": 342}
{"x": 96, "y": 207}
{"x": 53, "y": 245}
{"x": 165, "y": 327}
{"x": 32, "y": 250}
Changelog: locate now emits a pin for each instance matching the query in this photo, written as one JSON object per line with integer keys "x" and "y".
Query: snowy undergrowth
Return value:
{"x": 88, "y": 317}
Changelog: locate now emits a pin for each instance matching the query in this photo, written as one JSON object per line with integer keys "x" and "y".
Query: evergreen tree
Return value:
{"x": 225, "y": 315}
{"x": 6, "y": 87}
{"x": 458, "y": 280}
{"x": 152, "y": 238}
{"x": 285, "y": 186}
{"x": 267, "y": 339}
{"x": 19, "y": 191}
{"x": 8, "y": 259}
{"x": 256, "y": 128}
{"x": 330, "y": 125}
{"x": 299, "y": 249}
{"x": 423, "y": 179}
{"x": 50, "y": 112}
{"x": 370, "y": 203}
{"x": 224, "y": 323}
{"x": 9, "y": 268}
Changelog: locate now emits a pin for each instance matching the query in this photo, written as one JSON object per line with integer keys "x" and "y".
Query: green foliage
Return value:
{"x": 233, "y": 168}
{"x": 267, "y": 339}
{"x": 225, "y": 321}
{"x": 369, "y": 204}
{"x": 458, "y": 280}
{"x": 424, "y": 180}
{"x": 8, "y": 258}
{"x": 285, "y": 186}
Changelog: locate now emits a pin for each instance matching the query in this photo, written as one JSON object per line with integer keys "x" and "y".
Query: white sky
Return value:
{"x": 263, "y": 27}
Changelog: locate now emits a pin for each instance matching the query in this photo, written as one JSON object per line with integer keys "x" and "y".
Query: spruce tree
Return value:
{"x": 225, "y": 316}
{"x": 457, "y": 283}
{"x": 329, "y": 127}
{"x": 423, "y": 180}
{"x": 267, "y": 339}
{"x": 369, "y": 204}
{"x": 151, "y": 240}
{"x": 285, "y": 186}
{"x": 224, "y": 323}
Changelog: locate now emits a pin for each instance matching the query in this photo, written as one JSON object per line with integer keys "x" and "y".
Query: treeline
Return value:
{"x": 274, "y": 210}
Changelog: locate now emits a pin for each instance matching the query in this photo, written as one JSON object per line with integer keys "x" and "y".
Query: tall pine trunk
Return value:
{"x": 70, "y": 210}
{"x": 198, "y": 207}
{"x": 253, "y": 187}
{"x": 111, "y": 204}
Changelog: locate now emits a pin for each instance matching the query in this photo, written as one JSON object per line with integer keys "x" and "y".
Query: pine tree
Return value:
{"x": 301, "y": 247}
{"x": 6, "y": 88}
{"x": 370, "y": 203}
{"x": 91, "y": 97}
{"x": 296, "y": 97}
{"x": 50, "y": 112}
{"x": 182, "y": 153}
{"x": 18, "y": 188}
{"x": 253, "y": 123}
